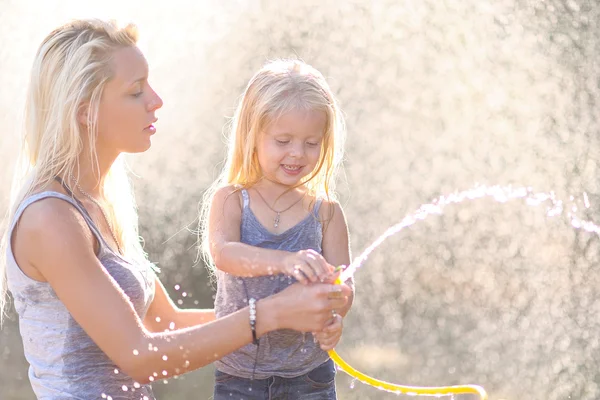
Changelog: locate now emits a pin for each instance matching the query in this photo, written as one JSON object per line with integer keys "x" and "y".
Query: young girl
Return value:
{"x": 95, "y": 320}
{"x": 272, "y": 219}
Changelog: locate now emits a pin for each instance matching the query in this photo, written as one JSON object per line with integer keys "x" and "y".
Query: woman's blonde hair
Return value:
{"x": 277, "y": 88}
{"x": 70, "y": 70}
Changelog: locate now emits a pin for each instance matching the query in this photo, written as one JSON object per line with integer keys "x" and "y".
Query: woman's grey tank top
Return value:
{"x": 64, "y": 362}
{"x": 283, "y": 353}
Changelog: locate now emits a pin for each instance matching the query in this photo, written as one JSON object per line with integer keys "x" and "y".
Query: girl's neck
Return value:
{"x": 275, "y": 189}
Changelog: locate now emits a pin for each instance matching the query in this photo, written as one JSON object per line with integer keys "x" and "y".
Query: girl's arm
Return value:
{"x": 54, "y": 239}
{"x": 240, "y": 259}
{"x": 336, "y": 244}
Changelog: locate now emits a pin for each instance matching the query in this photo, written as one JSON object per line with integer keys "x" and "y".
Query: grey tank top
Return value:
{"x": 64, "y": 363}
{"x": 283, "y": 353}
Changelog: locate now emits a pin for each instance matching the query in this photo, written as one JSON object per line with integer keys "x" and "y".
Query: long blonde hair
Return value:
{"x": 70, "y": 70}
{"x": 278, "y": 87}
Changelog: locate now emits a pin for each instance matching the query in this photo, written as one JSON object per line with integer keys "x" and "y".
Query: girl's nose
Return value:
{"x": 297, "y": 150}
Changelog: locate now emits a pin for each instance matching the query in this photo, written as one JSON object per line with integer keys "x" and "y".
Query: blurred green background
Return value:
{"x": 439, "y": 96}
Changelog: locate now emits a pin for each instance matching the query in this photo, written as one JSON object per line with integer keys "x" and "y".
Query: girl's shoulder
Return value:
{"x": 228, "y": 195}
{"x": 227, "y": 190}
{"x": 328, "y": 207}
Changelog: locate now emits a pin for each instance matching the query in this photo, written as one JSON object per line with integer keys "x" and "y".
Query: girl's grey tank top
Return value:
{"x": 283, "y": 353}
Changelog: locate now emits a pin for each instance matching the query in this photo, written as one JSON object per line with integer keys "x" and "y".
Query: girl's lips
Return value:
{"x": 291, "y": 169}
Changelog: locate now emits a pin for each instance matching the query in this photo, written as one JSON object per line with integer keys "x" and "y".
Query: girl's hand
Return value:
{"x": 307, "y": 266}
{"x": 329, "y": 337}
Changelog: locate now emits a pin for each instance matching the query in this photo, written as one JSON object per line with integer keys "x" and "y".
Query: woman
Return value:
{"x": 95, "y": 320}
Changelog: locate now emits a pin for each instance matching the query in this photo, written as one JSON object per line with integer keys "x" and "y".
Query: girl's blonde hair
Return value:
{"x": 70, "y": 70}
{"x": 277, "y": 88}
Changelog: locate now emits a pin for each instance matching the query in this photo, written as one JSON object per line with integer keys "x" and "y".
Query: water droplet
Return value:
{"x": 165, "y": 358}
{"x": 586, "y": 201}
{"x": 135, "y": 352}
{"x": 124, "y": 388}
{"x": 177, "y": 287}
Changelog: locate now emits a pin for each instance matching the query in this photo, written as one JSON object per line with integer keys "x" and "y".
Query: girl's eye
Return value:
{"x": 282, "y": 142}
{"x": 312, "y": 144}
{"x": 138, "y": 94}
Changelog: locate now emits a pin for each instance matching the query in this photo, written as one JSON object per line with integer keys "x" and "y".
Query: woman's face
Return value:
{"x": 127, "y": 108}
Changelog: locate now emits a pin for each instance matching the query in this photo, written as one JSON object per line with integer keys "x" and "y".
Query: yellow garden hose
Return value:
{"x": 409, "y": 390}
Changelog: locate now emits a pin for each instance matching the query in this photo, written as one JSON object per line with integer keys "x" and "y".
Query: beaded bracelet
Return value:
{"x": 252, "y": 304}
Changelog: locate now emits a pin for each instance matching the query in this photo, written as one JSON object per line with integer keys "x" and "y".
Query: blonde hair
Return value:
{"x": 70, "y": 70}
{"x": 277, "y": 88}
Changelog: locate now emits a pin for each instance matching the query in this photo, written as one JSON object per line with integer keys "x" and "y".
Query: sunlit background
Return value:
{"x": 439, "y": 96}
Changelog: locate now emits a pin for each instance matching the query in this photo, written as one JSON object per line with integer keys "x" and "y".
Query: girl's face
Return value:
{"x": 128, "y": 104}
{"x": 289, "y": 148}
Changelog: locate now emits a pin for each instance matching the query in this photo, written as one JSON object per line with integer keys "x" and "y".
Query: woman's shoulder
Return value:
{"x": 47, "y": 214}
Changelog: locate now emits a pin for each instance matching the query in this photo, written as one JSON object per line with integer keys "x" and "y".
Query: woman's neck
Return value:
{"x": 90, "y": 176}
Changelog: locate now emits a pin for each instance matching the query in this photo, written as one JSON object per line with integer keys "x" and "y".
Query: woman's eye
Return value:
{"x": 312, "y": 144}
{"x": 138, "y": 94}
{"x": 282, "y": 142}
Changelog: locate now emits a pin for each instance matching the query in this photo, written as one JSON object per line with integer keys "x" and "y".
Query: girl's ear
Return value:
{"x": 83, "y": 113}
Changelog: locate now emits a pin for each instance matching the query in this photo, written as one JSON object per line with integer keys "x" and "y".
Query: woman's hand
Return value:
{"x": 307, "y": 308}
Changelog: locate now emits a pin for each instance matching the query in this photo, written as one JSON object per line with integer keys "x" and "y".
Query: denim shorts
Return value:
{"x": 318, "y": 384}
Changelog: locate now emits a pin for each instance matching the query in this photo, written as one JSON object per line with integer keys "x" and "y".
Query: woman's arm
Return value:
{"x": 336, "y": 243}
{"x": 53, "y": 237}
{"x": 164, "y": 315}
{"x": 240, "y": 259}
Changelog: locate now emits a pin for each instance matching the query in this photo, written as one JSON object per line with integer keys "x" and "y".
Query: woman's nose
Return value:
{"x": 156, "y": 102}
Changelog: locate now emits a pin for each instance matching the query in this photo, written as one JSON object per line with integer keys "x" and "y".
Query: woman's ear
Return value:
{"x": 83, "y": 113}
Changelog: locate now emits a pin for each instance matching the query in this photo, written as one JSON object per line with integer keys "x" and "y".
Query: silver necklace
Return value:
{"x": 278, "y": 213}
{"x": 89, "y": 196}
